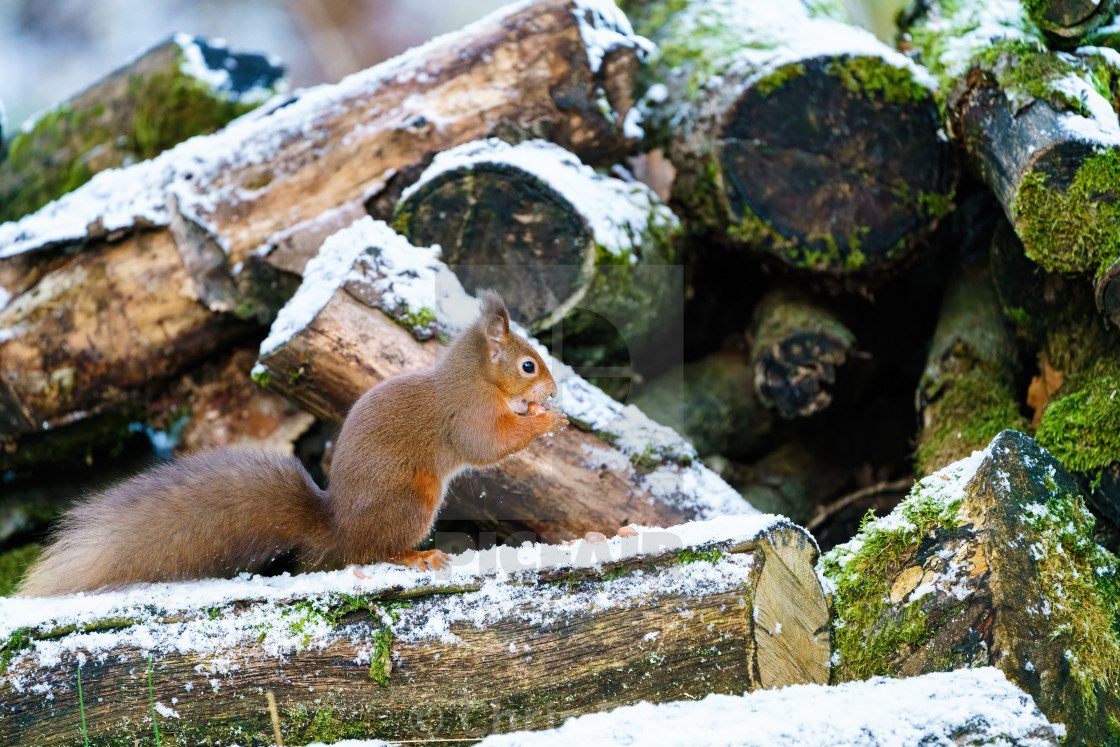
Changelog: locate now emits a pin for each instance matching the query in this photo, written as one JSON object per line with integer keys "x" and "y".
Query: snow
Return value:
{"x": 263, "y": 607}
{"x": 783, "y": 33}
{"x": 604, "y": 28}
{"x": 933, "y": 709}
{"x": 617, "y": 212}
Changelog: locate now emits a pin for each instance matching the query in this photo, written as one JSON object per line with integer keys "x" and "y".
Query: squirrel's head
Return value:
{"x": 521, "y": 374}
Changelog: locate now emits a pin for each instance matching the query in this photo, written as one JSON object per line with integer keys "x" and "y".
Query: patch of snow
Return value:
{"x": 165, "y": 711}
{"x": 934, "y": 708}
{"x": 604, "y": 28}
{"x": 195, "y": 65}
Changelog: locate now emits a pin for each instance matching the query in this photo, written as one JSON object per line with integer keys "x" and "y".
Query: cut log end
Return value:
{"x": 502, "y": 228}
{"x": 839, "y": 204}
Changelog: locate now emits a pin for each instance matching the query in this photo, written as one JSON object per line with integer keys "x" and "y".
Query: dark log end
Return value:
{"x": 502, "y": 228}
{"x": 794, "y": 375}
{"x": 1065, "y": 22}
{"x": 833, "y": 163}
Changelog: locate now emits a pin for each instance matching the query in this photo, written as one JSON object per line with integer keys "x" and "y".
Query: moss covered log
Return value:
{"x": 506, "y": 639}
{"x": 183, "y": 87}
{"x": 801, "y": 136}
{"x": 966, "y": 395}
{"x": 1040, "y": 129}
{"x": 373, "y": 306}
{"x": 561, "y": 243}
{"x": 1076, "y": 413}
{"x": 797, "y": 346}
{"x": 989, "y": 561}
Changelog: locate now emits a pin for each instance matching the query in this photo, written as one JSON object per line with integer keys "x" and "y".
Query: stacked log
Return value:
{"x": 712, "y": 403}
{"x": 173, "y": 240}
{"x": 503, "y": 640}
{"x": 1039, "y": 128}
{"x": 182, "y": 87}
{"x": 987, "y": 562}
{"x": 802, "y": 136}
{"x": 558, "y": 241}
{"x": 372, "y": 306}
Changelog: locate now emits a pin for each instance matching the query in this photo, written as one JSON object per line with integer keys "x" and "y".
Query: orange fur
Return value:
{"x": 222, "y": 512}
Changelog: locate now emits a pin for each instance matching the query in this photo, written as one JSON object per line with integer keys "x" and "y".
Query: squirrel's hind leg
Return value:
{"x": 423, "y": 560}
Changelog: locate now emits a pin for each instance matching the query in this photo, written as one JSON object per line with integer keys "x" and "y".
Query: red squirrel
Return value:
{"x": 226, "y": 511}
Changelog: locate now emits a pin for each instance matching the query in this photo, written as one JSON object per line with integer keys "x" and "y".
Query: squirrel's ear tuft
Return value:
{"x": 495, "y": 322}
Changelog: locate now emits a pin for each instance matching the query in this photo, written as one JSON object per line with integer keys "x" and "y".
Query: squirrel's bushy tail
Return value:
{"x": 211, "y": 514}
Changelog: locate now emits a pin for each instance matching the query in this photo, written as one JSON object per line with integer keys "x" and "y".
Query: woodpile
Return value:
{"x": 775, "y": 265}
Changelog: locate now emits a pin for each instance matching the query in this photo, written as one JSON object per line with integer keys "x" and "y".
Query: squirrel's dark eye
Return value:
{"x": 528, "y": 367}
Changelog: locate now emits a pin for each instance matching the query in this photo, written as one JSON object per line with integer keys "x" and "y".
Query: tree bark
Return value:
{"x": 169, "y": 93}
{"x": 560, "y": 242}
{"x": 966, "y": 396}
{"x": 988, "y": 562}
{"x": 613, "y": 467}
{"x": 1035, "y": 126}
{"x": 823, "y": 154}
{"x": 92, "y": 334}
{"x": 739, "y": 610}
{"x": 712, "y": 403}
{"x": 796, "y": 348}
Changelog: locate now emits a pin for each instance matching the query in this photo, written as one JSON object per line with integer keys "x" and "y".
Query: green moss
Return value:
{"x": 868, "y": 634}
{"x": 12, "y": 565}
{"x": 323, "y": 726}
{"x": 262, "y": 376}
{"x": 1074, "y": 228}
{"x": 779, "y": 78}
{"x": 706, "y": 554}
{"x": 971, "y": 409}
{"x": 18, "y": 640}
{"x": 53, "y": 158}
{"x": 877, "y": 77}
{"x": 422, "y": 318}
{"x": 1081, "y": 428}
{"x": 1081, "y": 582}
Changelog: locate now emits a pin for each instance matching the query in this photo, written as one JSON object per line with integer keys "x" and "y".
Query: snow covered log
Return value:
{"x": 531, "y": 69}
{"x": 712, "y": 403}
{"x": 796, "y": 347}
{"x": 972, "y": 706}
{"x": 182, "y": 87}
{"x": 1039, "y": 127}
{"x": 557, "y": 240}
{"x": 366, "y": 299}
{"x": 801, "y": 136}
{"x": 987, "y": 562}
{"x": 966, "y": 395}
{"x": 509, "y": 638}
